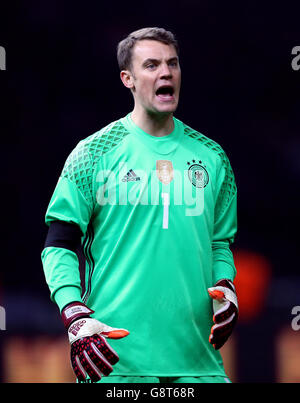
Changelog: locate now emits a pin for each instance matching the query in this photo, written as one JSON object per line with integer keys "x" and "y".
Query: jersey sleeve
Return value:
{"x": 71, "y": 202}
{"x": 225, "y": 221}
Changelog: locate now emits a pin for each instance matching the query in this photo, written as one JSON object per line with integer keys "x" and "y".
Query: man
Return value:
{"x": 152, "y": 202}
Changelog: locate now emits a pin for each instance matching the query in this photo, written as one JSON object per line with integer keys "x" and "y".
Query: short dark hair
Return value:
{"x": 124, "y": 49}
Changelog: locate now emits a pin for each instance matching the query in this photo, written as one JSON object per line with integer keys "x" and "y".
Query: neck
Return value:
{"x": 156, "y": 124}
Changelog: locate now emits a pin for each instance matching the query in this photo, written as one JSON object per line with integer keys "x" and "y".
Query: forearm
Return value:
{"x": 223, "y": 263}
{"x": 61, "y": 269}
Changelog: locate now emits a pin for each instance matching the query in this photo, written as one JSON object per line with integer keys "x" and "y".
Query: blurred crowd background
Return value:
{"x": 62, "y": 84}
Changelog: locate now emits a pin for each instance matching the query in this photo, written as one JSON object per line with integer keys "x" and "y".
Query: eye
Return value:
{"x": 151, "y": 66}
{"x": 173, "y": 63}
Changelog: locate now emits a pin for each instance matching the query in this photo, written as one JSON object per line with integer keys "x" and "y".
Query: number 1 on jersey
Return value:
{"x": 166, "y": 203}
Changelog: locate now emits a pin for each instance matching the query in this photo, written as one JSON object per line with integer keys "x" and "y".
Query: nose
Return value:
{"x": 165, "y": 71}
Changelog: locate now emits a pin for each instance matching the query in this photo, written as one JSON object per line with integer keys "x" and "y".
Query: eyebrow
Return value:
{"x": 150, "y": 60}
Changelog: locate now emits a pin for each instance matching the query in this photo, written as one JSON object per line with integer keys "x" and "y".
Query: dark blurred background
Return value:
{"x": 62, "y": 84}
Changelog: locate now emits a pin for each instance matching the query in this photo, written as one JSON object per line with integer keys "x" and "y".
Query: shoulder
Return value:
{"x": 79, "y": 166}
{"x": 88, "y": 151}
{"x": 199, "y": 137}
{"x": 102, "y": 141}
{"x": 211, "y": 146}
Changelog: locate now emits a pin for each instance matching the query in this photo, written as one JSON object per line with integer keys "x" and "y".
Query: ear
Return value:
{"x": 127, "y": 79}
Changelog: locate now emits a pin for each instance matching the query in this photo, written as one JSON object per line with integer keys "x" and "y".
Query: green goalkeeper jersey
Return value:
{"x": 157, "y": 216}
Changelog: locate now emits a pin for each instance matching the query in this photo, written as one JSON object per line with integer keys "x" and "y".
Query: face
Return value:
{"x": 155, "y": 76}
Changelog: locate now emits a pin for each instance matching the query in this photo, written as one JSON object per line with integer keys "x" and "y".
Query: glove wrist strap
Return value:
{"x": 225, "y": 283}
{"x": 74, "y": 311}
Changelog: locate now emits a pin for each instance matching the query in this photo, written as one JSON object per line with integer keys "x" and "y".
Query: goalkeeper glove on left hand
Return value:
{"x": 225, "y": 308}
{"x": 90, "y": 353}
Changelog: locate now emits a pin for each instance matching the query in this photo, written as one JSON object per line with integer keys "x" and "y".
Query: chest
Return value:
{"x": 184, "y": 179}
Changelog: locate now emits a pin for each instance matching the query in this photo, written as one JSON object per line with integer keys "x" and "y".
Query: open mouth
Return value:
{"x": 165, "y": 93}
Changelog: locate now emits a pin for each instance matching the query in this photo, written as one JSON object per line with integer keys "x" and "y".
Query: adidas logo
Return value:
{"x": 131, "y": 177}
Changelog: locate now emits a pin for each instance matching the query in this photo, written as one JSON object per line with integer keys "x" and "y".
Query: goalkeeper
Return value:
{"x": 152, "y": 204}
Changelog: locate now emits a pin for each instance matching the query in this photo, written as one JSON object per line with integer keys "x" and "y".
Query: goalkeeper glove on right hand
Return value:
{"x": 90, "y": 353}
